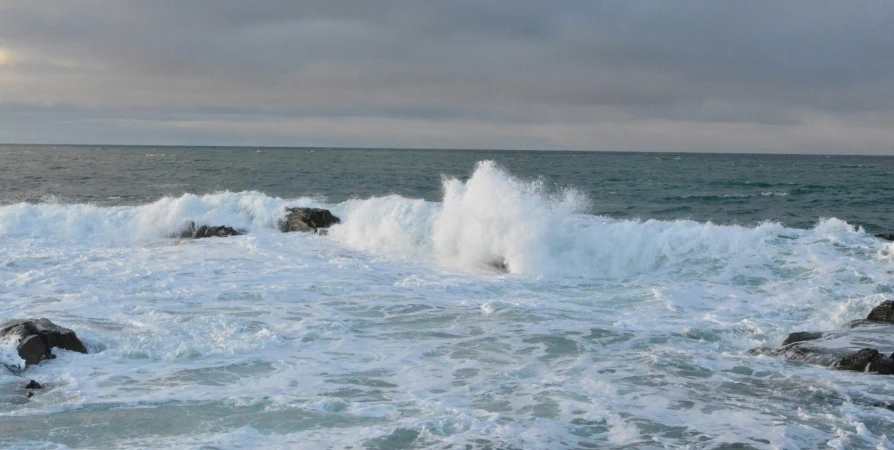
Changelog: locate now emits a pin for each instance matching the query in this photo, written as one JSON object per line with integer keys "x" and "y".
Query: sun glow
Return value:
{"x": 5, "y": 57}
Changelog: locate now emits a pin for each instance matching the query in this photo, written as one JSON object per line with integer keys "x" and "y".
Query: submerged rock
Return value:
{"x": 189, "y": 231}
{"x": 37, "y": 338}
{"x": 862, "y": 345}
{"x": 885, "y": 236}
{"x": 33, "y": 385}
{"x": 309, "y": 220}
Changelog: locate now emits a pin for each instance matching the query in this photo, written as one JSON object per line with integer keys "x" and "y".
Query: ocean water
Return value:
{"x": 633, "y": 286}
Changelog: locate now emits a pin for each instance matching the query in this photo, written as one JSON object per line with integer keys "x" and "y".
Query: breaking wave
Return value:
{"x": 491, "y": 222}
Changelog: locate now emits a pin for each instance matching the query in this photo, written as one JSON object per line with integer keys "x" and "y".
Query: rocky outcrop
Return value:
{"x": 309, "y": 220}
{"x": 882, "y": 313}
{"x": 37, "y": 339}
{"x": 862, "y": 345}
{"x": 885, "y": 236}
{"x": 189, "y": 231}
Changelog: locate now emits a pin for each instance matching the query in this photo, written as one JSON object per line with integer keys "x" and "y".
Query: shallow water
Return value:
{"x": 397, "y": 331}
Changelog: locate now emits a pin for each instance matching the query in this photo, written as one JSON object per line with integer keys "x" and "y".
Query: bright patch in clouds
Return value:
{"x": 5, "y": 57}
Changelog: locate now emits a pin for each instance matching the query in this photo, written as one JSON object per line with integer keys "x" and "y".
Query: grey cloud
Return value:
{"x": 562, "y": 74}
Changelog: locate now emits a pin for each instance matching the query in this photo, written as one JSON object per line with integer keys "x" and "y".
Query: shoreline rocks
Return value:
{"x": 190, "y": 231}
{"x": 38, "y": 337}
{"x": 308, "y": 220}
{"x": 861, "y": 345}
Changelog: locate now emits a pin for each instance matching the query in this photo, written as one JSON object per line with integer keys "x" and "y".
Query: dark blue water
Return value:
{"x": 795, "y": 190}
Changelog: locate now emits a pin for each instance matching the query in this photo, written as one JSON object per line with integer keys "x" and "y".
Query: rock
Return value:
{"x": 861, "y": 345}
{"x": 885, "y": 236}
{"x": 883, "y": 312}
{"x": 205, "y": 231}
{"x": 884, "y": 366}
{"x": 500, "y": 265}
{"x": 801, "y": 336}
{"x": 189, "y": 231}
{"x": 33, "y": 385}
{"x": 37, "y": 338}
{"x": 858, "y": 361}
{"x": 29, "y": 394}
{"x": 309, "y": 220}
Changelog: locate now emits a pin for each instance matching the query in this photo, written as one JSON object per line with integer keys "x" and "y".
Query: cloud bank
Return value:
{"x": 764, "y": 76}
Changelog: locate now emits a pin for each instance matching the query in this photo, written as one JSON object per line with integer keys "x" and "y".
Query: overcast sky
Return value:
{"x": 766, "y": 76}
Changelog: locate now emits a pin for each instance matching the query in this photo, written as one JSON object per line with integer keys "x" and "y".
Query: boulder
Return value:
{"x": 33, "y": 385}
{"x": 37, "y": 338}
{"x": 189, "y": 231}
{"x": 885, "y": 236}
{"x": 309, "y": 220}
{"x": 858, "y": 361}
{"x": 883, "y": 312}
{"x": 801, "y": 336}
{"x": 862, "y": 345}
{"x": 205, "y": 231}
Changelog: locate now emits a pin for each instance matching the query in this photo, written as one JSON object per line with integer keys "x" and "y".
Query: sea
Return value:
{"x": 467, "y": 300}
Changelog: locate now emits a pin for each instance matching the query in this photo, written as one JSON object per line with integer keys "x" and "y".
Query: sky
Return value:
{"x": 798, "y": 76}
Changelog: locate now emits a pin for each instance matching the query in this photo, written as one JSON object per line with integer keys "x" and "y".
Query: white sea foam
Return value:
{"x": 128, "y": 224}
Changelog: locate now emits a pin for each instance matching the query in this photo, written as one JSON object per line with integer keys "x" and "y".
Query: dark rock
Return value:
{"x": 33, "y": 350}
{"x": 883, "y": 312}
{"x": 884, "y": 366}
{"x": 37, "y": 338}
{"x": 861, "y": 346}
{"x": 801, "y": 336}
{"x": 858, "y": 361}
{"x": 310, "y": 220}
{"x": 33, "y": 385}
{"x": 500, "y": 265}
{"x": 189, "y": 231}
{"x": 205, "y": 231}
{"x": 885, "y": 236}
{"x": 29, "y": 394}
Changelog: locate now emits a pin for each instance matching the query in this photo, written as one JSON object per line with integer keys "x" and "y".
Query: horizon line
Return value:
{"x": 542, "y": 150}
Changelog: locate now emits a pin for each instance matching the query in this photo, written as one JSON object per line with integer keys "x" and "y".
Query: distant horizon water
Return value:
{"x": 810, "y": 152}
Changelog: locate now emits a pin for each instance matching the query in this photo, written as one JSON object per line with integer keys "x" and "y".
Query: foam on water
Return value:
{"x": 400, "y": 329}
{"x": 252, "y": 211}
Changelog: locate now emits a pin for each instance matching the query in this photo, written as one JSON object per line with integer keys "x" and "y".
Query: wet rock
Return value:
{"x": 37, "y": 339}
{"x": 205, "y": 231}
{"x": 309, "y": 220}
{"x": 883, "y": 366}
{"x": 29, "y": 394}
{"x": 500, "y": 265}
{"x": 885, "y": 236}
{"x": 801, "y": 336}
{"x": 33, "y": 385}
{"x": 883, "y": 312}
{"x": 861, "y": 345}
{"x": 858, "y": 361}
{"x": 190, "y": 231}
